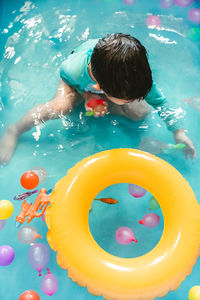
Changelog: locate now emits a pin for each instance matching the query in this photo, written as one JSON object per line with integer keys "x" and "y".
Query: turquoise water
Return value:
{"x": 29, "y": 70}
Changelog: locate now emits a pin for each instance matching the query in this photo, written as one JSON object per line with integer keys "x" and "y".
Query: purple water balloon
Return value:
{"x": 7, "y": 254}
{"x": 184, "y": 3}
{"x": 150, "y": 220}
{"x": 2, "y": 224}
{"x": 125, "y": 236}
{"x": 129, "y": 2}
{"x": 167, "y": 3}
{"x": 38, "y": 256}
{"x": 136, "y": 190}
{"x": 153, "y": 21}
{"x": 49, "y": 284}
{"x": 194, "y": 15}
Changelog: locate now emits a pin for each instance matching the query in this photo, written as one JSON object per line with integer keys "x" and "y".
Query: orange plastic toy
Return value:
{"x": 31, "y": 210}
{"x": 29, "y": 180}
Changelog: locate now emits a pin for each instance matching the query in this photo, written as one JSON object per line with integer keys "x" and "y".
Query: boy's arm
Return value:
{"x": 173, "y": 118}
{"x": 63, "y": 102}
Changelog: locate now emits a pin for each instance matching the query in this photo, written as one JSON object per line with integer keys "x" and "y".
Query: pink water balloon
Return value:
{"x": 136, "y": 190}
{"x": 129, "y": 2}
{"x": 125, "y": 236}
{"x": 167, "y": 3}
{"x": 150, "y": 220}
{"x": 49, "y": 284}
{"x": 153, "y": 21}
{"x": 184, "y": 3}
{"x": 43, "y": 217}
{"x": 194, "y": 15}
{"x": 38, "y": 256}
{"x": 27, "y": 235}
{"x": 2, "y": 224}
{"x": 7, "y": 254}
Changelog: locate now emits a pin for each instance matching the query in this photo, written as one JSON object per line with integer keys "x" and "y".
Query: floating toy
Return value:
{"x": 153, "y": 21}
{"x": 29, "y": 295}
{"x": 49, "y": 284}
{"x": 194, "y": 15}
{"x": 107, "y": 200}
{"x": 2, "y": 224}
{"x": 150, "y": 220}
{"x": 136, "y": 191}
{"x": 125, "y": 236}
{"x": 24, "y": 195}
{"x": 95, "y": 105}
{"x": 38, "y": 256}
{"x": 41, "y": 172}
{"x": 6, "y": 209}
{"x": 153, "y": 203}
{"x": 7, "y": 254}
{"x": 29, "y": 180}
{"x": 129, "y": 2}
{"x": 167, "y": 3}
{"x": 28, "y": 235}
{"x": 31, "y": 210}
{"x": 156, "y": 147}
{"x": 184, "y": 3}
{"x": 194, "y": 102}
{"x": 105, "y": 274}
{"x": 194, "y": 34}
{"x": 194, "y": 293}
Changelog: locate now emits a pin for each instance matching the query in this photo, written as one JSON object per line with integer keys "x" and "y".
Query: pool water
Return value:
{"x": 36, "y": 36}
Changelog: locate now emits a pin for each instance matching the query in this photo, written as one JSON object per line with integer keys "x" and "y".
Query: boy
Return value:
{"x": 115, "y": 68}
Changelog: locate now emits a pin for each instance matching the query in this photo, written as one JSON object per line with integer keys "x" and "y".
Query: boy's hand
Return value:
{"x": 99, "y": 109}
{"x": 181, "y": 137}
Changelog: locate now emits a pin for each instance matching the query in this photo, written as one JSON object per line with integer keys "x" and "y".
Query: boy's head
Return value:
{"x": 120, "y": 66}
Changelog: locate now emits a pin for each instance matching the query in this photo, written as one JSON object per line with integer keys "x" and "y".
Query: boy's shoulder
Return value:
{"x": 73, "y": 68}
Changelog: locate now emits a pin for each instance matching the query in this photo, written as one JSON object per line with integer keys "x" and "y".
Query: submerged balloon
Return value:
{"x": 38, "y": 256}
{"x": 151, "y": 145}
{"x": 29, "y": 295}
{"x": 194, "y": 15}
{"x": 150, "y": 220}
{"x": 194, "y": 34}
{"x": 136, "y": 190}
{"x": 29, "y": 180}
{"x": 129, "y": 2}
{"x": 125, "y": 236}
{"x": 153, "y": 203}
{"x": 27, "y": 234}
{"x": 2, "y": 224}
{"x": 194, "y": 102}
{"x": 6, "y": 209}
{"x": 7, "y": 254}
{"x": 41, "y": 172}
{"x": 167, "y": 3}
{"x": 49, "y": 284}
{"x": 194, "y": 293}
{"x": 184, "y": 3}
{"x": 153, "y": 21}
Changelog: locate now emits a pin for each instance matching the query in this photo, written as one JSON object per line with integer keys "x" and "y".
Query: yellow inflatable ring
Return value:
{"x": 145, "y": 277}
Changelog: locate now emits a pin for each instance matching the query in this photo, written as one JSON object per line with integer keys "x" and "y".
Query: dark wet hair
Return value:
{"x": 119, "y": 64}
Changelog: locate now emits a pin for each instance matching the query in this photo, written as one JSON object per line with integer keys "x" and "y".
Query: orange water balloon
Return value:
{"x": 29, "y": 180}
{"x": 29, "y": 295}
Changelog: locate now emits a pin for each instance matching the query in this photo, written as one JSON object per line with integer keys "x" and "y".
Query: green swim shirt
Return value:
{"x": 74, "y": 71}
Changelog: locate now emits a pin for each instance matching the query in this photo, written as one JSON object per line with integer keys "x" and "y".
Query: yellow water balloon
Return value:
{"x": 6, "y": 209}
{"x": 194, "y": 293}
